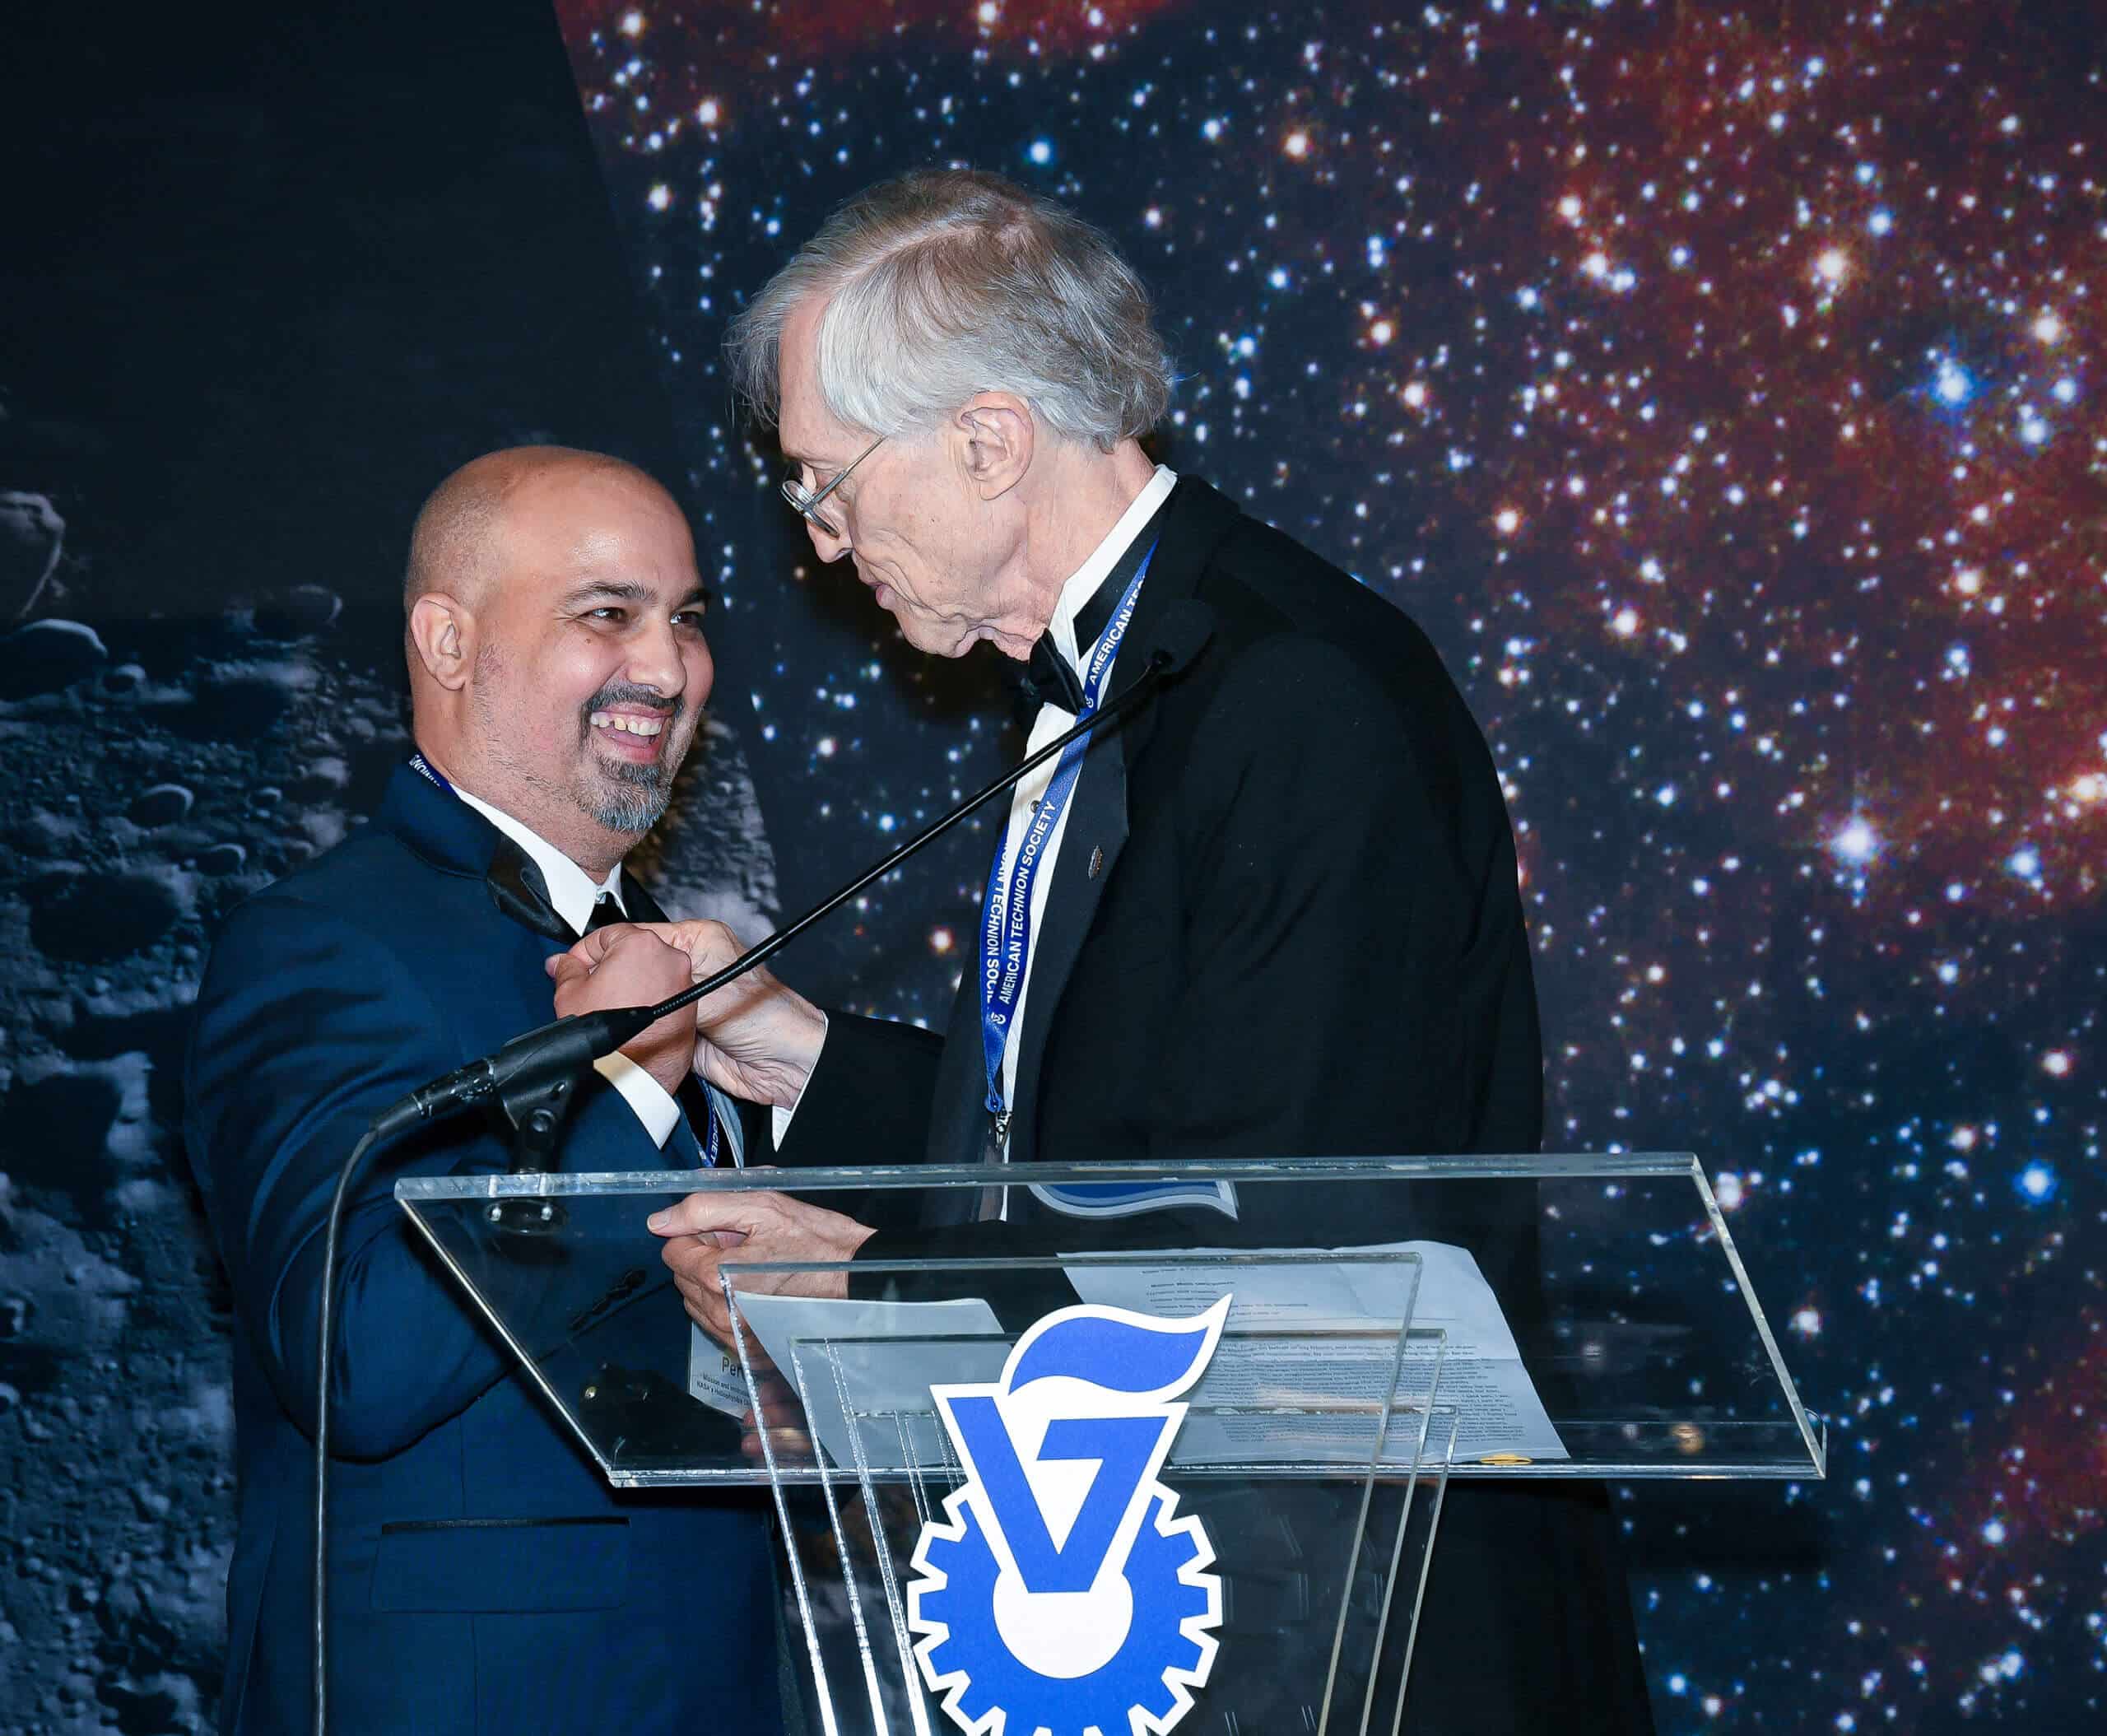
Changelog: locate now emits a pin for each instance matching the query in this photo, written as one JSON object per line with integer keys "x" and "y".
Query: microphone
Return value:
{"x": 528, "y": 1065}
{"x": 534, "y": 1076}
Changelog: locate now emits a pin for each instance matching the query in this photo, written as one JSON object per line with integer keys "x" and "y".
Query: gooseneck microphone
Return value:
{"x": 534, "y": 1076}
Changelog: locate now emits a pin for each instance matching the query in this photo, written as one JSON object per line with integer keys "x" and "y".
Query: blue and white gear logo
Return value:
{"x": 1060, "y": 1594}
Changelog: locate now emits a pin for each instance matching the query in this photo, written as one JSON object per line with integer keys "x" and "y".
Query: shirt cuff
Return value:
{"x": 779, "y": 1118}
{"x": 654, "y": 1106}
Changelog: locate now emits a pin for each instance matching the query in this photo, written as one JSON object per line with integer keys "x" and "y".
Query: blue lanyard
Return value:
{"x": 429, "y": 773}
{"x": 1005, "y": 911}
{"x": 710, "y": 1143}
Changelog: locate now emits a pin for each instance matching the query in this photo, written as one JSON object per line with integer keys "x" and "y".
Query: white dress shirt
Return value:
{"x": 573, "y": 893}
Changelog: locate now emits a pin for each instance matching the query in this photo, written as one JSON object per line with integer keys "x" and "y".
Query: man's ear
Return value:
{"x": 997, "y": 434}
{"x": 442, "y": 638}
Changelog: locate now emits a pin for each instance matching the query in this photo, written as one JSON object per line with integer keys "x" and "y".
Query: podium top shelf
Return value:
{"x": 1573, "y": 1166}
{"x": 1628, "y": 1340}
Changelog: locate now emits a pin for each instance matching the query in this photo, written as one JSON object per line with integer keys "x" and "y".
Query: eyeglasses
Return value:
{"x": 806, "y": 502}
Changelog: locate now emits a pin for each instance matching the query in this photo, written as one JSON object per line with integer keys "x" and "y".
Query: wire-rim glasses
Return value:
{"x": 808, "y": 501}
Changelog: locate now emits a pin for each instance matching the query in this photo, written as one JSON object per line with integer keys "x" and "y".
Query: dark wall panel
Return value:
{"x": 266, "y": 274}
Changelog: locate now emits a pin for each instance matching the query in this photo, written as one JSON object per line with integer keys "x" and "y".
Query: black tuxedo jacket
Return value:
{"x": 1284, "y": 921}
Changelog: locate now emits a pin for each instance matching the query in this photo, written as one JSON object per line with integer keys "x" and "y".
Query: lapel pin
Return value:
{"x": 1097, "y": 862}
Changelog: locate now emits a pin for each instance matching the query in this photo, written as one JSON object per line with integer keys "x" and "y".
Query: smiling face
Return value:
{"x": 573, "y": 677}
{"x": 927, "y": 537}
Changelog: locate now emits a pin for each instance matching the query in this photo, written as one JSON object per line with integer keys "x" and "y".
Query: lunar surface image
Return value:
{"x": 267, "y": 275}
{"x": 154, "y": 781}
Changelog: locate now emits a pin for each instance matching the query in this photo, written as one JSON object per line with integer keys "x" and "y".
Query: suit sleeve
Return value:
{"x": 868, "y": 1100}
{"x": 866, "y": 1104}
{"x": 305, "y": 1028}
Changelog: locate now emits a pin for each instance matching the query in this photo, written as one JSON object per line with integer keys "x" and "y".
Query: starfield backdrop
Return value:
{"x": 1721, "y": 387}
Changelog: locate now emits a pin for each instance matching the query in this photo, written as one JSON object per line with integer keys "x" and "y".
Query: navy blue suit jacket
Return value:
{"x": 483, "y": 1576}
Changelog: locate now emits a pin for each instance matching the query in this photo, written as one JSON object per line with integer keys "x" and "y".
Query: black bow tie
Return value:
{"x": 1048, "y": 678}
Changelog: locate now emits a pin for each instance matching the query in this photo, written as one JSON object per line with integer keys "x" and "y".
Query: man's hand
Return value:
{"x": 755, "y": 1039}
{"x": 704, "y": 1230}
{"x": 781, "y": 1418}
{"x": 636, "y": 969}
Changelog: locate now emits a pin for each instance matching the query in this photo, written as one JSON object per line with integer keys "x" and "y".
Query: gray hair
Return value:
{"x": 946, "y": 282}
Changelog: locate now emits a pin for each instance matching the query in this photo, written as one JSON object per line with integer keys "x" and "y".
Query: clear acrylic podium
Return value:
{"x": 1124, "y": 1448}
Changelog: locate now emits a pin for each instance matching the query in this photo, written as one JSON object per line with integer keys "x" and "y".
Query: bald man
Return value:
{"x": 483, "y": 1577}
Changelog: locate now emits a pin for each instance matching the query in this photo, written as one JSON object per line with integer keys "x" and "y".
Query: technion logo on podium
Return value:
{"x": 1060, "y": 1592}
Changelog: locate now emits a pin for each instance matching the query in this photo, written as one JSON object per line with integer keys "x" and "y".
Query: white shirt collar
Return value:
{"x": 572, "y": 891}
{"x": 1083, "y": 584}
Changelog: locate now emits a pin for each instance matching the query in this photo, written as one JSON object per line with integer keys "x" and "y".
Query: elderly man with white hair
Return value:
{"x": 1271, "y": 912}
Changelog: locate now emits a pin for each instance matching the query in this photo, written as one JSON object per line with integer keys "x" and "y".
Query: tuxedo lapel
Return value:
{"x": 445, "y": 832}
{"x": 520, "y": 893}
{"x": 1092, "y": 840}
